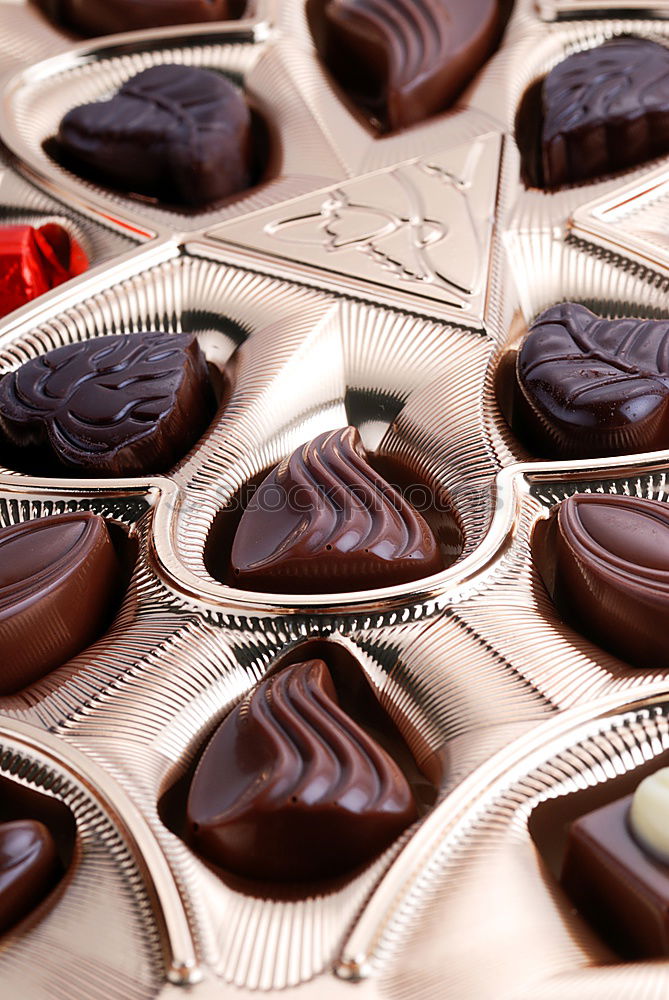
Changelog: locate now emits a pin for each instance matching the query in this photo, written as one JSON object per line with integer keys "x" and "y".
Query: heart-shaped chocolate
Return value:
{"x": 605, "y": 562}
{"x": 290, "y": 788}
{"x": 176, "y": 133}
{"x": 404, "y": 60}
{"x": 35, "y": 260}
{"x": 605, "y": 109}
{"x": 59, "y": 583}
{"x": 111, "y": 406}
{"x": 106, "y": 17}
{"x": 29, "y": 868}
{"x": 324, "y": 519}
{"x": 590, "y": 387}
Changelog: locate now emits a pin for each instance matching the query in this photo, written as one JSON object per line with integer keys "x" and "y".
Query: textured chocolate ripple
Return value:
{"x": 105, "y": 17}
{"x": 290, "y": 788}
{"x": 59, "y": 581}
{"x": 177, "y": 133}
{"x": 325, "y": 519}
{"x": 29, "y": 869}
{"x": 605, "y": 109}
{"x": 111, "y": 406}
{"x": 610, "y": 575}
{"x": 593, "y": 387}
{"x": 404, "y": 60}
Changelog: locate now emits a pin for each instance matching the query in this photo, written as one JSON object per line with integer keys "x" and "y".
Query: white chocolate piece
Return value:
{"x": 649, "y": 814}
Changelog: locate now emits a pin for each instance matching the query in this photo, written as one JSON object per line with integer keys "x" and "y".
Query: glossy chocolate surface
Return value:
{"x": 605, "y": 109}
{"x": 112, "y": 406}
{"x": 404, "y": 60}
{"x": 590, "y": 387}
{"x": 176, "y": 133}
{"x": 29, "y": 868}
{"x": 291, "y": 788}
{"x": 324, "y": 519}
{"x": 617, "y": 885}
{"x": 106, "y": 17}
{"x": 605, "y": 562}
{"x": 59, "y": 581}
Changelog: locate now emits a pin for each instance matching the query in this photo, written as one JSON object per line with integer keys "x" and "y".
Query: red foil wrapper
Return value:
{"x": 33, "y": 261}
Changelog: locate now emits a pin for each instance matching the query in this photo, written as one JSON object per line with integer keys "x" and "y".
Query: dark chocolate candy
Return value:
{"x": 291, "y": 789}
{"x": 616, "y": 884}
{"x": 179, "y": 134}
{"x": 605, "y": 109}
{"x": 59, "y": 578}
{"x": 404, "y": 60}
{"x": 111, "y": 406}
{"x": 605, "y": 560}
{"x": 106, "y": 17}
{"x": 29, "y": 868}
{"x": 325, "y": 520}
{"x": 35, "y": 260}
{"x": 590, "y": 387}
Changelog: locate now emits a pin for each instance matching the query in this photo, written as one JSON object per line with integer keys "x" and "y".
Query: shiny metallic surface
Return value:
{"x": 383, "y": 281}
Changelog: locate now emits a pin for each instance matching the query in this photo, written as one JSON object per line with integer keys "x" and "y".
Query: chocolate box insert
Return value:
{"x": 303, "y": 783}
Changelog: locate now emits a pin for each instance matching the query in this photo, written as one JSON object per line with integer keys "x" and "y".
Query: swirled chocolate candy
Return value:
{"x": 590, "y": 387}
{"x": 605, "y": 560}
{"x": 404, "y": 60}
{"x": 106, "y": 17}
{"x": 29, "y": 868}
{"x": 111, "y": 406}
{"x": 605, "y": 109}
{"x": 35, "y": 260}
{"x": 291, "y": 789}
{"x": 176, "y": 133}
{"x": 325, "y": 520}
{"x": 615, "y": 875}
{"x": 59, "y": 577}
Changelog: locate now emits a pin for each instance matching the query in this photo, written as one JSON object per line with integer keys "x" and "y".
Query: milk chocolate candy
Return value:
{"x": 325, "y": 520}
{"x": 605, "y": 560}
{"x": 605, "y": 109}
{"x": 59, "y": 580}
{"x": 616, "y": 869}
{"x": 33, "y": 260}
{"x": 112, "y": 406}
{"x": 106, "y": 17}
{"x": 292, "y": 789}
{"x": 176, "y": 133}
{"x": 29, "y": 869}
{"x": 591, "y": 387}
{"x": 404, "y": 60}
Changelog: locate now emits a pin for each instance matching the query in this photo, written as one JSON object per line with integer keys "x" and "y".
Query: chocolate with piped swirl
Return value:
{"x": 404, "y": 60}
{"x": 175, "y": 133}
{"x": 292, "y": 789}
{"x": 325, "y": 520}
{"x": 59, "y": 581}
{"x": 106, "y": 17}
{"x": 605, "y": 561}
{"x": 589, "y": 387}
{"x": 112, "y": 406}
{"x": 29, "y": 868}
{"x": 605, "y": 109}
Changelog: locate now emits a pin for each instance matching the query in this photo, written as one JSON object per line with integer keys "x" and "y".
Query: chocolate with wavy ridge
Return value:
{"x": 324, "y": 519}
{"x": 605, "y": 559}
{"x": 605, "y": 109}
{"x": 404, "y": 60}
{"x": 592, "y": 387}
{"x": 111, "y": 406}
{"x": 106, "y": 17}
{"x": 59, "y": 581}
{"x": 290, "y": 788}
{"x": 176, "y": 133}
{"x": 29, "y": 868}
